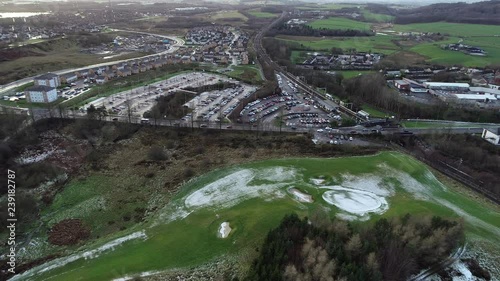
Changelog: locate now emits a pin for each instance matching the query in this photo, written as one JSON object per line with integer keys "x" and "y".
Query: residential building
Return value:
{"x": 48, "y": 79}
{"x": 101, "y": 79}
{"x": 69, "y": 77}
{"x": 41, "y": 94}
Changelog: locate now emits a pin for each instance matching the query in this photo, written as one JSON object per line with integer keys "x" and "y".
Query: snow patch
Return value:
{"x": 142, "y": 274}
{"x": 224, "y": 230}
{"x": 234, "y": 188}
{"x": 355, "y": 201}
{"x": 318, "y": 181}
{"x": 301, "y": 196}
{"x": 86, "y": 255}
{"x": 465, "y": 274}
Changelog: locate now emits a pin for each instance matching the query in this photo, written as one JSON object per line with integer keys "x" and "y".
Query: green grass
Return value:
{"x": 339, "y": 23}
{"x": 373, "y": 17}
{"x": 247, "y": 73}
{"x": 374, "y": 112}
{"x": 192, "y": 241}
{"x": 380, "y": 44}
{"x": 228, "y": 15}
{"x": 332, "y": 6}
{"x": 354, "y": 73}
{"x": 454, "y": 29}
{"x": 424, "y": 124}
{"x": 260, "y": 14}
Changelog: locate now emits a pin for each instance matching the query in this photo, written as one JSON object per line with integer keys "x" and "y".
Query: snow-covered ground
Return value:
{"x": 232, "y": 189}
{"x": 86, "y": 255}
{"x": 355, "y": 201}
{"x": 301, "y": 196}
{"x": 224, "y": 229}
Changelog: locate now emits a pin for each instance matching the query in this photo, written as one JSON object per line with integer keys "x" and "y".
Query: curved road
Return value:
{"x": 173, "y": 48}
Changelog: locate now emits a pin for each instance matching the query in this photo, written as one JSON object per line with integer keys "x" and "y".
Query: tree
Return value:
{"x": 353, "y": 246}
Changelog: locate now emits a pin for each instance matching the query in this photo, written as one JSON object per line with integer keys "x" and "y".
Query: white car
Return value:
{"x": 320, "y": 130}
{"x": 350, "y": 138}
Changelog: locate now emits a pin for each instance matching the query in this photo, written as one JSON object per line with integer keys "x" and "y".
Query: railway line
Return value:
{"x": 327, "y": 104}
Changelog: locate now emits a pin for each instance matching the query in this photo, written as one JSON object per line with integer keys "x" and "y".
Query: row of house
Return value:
{"x": 348, "y": 61}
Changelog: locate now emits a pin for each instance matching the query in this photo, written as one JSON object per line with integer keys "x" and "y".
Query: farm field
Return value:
{"x": 253, "y": 198}
{"x": 259, "y": 14}
{"x": 339, "y": 23}
{"x": 228, "y": 15}
{"x": 374, "y": 17}
{"x": 381, "y": 44}
{"x": 458, "y": 29}
{"x": 475, "y": 35}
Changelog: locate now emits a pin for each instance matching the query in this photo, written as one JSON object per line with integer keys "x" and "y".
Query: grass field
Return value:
{"x": 353, "y": 73}
{"x": 374, "y": 112}
{"x": 339, "y": 23}
{"x": 373, "y": 17}
{"x": 228, "y": 15}
{"x": 457, "y": 29}
{"x": 247, "y": 73}
{"x": 381, "y": 44}
{"x": 253, "y": 198}
{"x": 424, "y": 124}
{"x": 260, "y": 14}
{"x": 54, "y": 55}
{"x": 483, "y": 36}
{"x": 332, "y": 6}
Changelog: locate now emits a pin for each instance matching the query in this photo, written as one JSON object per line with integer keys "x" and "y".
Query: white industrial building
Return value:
{"x": 48, "y": 79}
{"x": 41, "y": 94}
{"x": 477, "y": 97}
{"x": 491, "y": 136}
{"x": 446, "y": 86}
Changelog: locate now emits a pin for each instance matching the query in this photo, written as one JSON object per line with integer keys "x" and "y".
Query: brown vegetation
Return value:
{"x": 68, "y": 232}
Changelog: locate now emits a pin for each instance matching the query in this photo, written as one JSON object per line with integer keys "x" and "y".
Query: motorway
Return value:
{"x": 179, "y": 42}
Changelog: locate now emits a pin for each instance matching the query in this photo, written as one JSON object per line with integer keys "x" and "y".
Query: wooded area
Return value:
{"x": 389, "y": 249}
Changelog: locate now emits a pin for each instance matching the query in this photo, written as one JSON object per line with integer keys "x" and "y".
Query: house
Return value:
{"x": 69, "y": 77}
{"x": 48, "y": 79}
{"x": 393, "y": 73}
{"x": 135, "y": 69}
{"x": 491, "y": 136}
{"x": 108, "y": 74}
{"x": 101, "y": 79}
{"x": 126, "y": 71}
{"x": 41, "y": 94}
{"x": 402, "y": 85}
{"x": 82, "y": 73}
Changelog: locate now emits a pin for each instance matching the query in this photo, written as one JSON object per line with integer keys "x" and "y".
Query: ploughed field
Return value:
{"x": 228, "y": 212}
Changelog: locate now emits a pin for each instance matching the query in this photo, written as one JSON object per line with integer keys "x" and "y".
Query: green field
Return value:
{"x": 260, "y": 14}
{"x": 374, "y": 112}
{"x": 381, "y": 44}
{"x": 354, "y": 73}
{"x": 247, "y": 73}
{"x": 339, "y": 23}
{"x": 253, "y": 198}
{"x": 374, "y": 17}
{"x": 457, "y": 29}
{"x": 472, "y": 34}
{"x": 332, "y": 6}
{"x": 228, "y": 15}
{"x": 425, "y": 124}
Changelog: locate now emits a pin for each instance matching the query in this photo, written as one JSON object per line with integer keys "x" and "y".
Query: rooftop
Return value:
{"x": 39, "y": 88}
{"x": 46, "y": 76}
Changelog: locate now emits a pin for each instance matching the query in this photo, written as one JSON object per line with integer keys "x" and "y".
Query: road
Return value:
{"x": 327, "y": 105}
{"x": 179, "y": 42}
